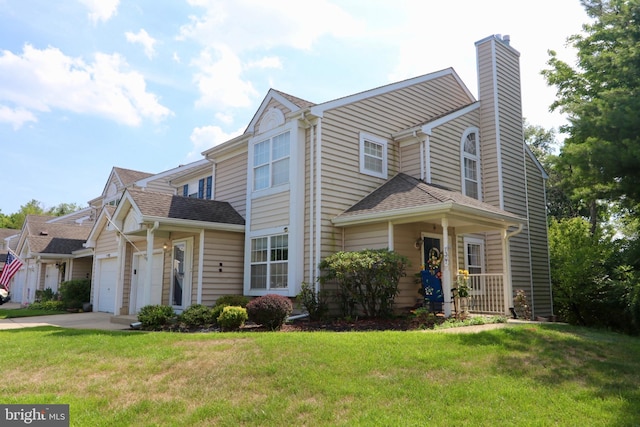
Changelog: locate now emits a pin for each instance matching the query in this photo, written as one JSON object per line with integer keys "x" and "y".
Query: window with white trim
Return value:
{"x": 271, "y": 162}
{"x": 270, "y": 262}
{"x": 471, "y": 164}
{"x": 474, "y": 262}
{"x": 373, "y": 155}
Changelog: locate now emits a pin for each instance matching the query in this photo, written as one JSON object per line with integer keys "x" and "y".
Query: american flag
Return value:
{"x": 11, "y": 267}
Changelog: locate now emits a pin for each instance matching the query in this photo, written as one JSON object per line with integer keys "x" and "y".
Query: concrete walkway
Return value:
{"x": 90, "y": 320}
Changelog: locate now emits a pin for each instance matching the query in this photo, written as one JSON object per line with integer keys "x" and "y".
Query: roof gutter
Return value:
{"x": 416, "y": 211}
{"x": 194, "y": 224}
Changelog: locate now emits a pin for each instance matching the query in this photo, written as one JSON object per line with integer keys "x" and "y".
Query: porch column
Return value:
{"x": 446, "y": 271}
{"x": 119, "y": 309}
{"x": 149, "y": 271}
{"x": 390, "y": 235}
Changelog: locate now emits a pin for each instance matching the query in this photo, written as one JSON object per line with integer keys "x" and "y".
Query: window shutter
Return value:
{"x": 201, "y": 189}
{"x": 185, "y": 190}
{"x": 209, "y": 185}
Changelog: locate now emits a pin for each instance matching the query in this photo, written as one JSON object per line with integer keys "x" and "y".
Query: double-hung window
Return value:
{"x": 271, "y": 162}
{"x": 270, "y": 262}
{"x": 471, "y": 165}
{"x": 373, "y": 155}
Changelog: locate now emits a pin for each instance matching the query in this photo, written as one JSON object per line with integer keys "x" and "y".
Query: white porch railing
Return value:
{"x": 487, "y": 293}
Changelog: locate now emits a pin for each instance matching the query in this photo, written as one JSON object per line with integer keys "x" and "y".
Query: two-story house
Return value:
{"x": 408, "y": 166}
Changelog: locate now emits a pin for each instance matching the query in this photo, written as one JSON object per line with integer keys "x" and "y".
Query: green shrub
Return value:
{"x": 45, "y": 295}
{"x": 217, "y": 311}
{"x": 75, "y": 292}
{"x": 156, "y": 317}
{"x": 48, "y": 305}
{"x": 197, "y": 315}
{"x": 270, "y": 310}
{"x": 232, "y": 317}
{"x": 314, "y": 302}
{"x": 367, "y": 278}
{"x": 235, "y": 300}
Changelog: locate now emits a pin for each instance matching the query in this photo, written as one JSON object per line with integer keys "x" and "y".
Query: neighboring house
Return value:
{"x": 407, "y": 166}
{"x": 143, "y": 216}
{"x": 52, "y": 249}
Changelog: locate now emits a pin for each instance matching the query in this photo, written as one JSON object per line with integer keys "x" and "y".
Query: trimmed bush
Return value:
{"x": 232, "y": 318}
{"x": 75, "y": 292}
{"x": 48, "y": 306}
{"x": 270, "y": 310}
{"x": 156, "y": 317}
{"x": 314, "y": 302}
{"x": 235, "y": 300}
{"x": 197, "y": 315}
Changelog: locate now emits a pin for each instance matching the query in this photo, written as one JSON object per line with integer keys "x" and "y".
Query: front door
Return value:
{"x": 140, "y": 296}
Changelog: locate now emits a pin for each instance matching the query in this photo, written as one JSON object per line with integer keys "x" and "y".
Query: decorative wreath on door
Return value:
{"x": 434, "y": 261}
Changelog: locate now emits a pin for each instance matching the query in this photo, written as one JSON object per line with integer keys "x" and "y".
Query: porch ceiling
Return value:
{"x": 404, "y": 199}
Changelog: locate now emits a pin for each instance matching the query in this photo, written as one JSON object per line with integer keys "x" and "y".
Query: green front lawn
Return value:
{"x": 528, "y": 375}
{"x": 25, "y": 312}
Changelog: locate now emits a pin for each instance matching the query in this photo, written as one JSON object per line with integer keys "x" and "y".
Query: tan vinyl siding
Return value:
{"x": 231, "y": 182}
{"x": 270, "y": 211}
{"x": 126, "y": 284}
{"x": 488, "y": 131}
{"x": 374, "y": 236}
{"x": 445, "y": 151}
{"x": 541, "y": 300}
{"x": 410, "y": 159}
{"x": 381, "y": 115}
{"x": 224, "y": 248}
{"x": 82, "y": 268}
{"x": 160, "y": 186}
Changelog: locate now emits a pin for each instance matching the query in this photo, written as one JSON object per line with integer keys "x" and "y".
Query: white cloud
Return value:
{"x": 101, "y": 10}
{"x": 235, "y": 29}
{"x": 144, "y": 39}
{"x": 176, "y": 58}
{"x": 42, "y": 80}
{"x": 207, "y": 137}
{"x": 17, "y": 117}
{"x": 266, "y": 62}
{"x": 219, "y": 80}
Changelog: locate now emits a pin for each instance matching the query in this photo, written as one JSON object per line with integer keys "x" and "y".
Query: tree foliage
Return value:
{"x": 600, "y": 96}
{"x": 34, "y": 207}
{"x": 591, "y": 285}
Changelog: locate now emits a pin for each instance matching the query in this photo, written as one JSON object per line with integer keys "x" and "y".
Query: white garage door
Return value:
{"x": 107, "y": 277}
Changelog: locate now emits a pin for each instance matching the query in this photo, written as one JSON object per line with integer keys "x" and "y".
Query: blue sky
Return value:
{"x": 86, "y": 85}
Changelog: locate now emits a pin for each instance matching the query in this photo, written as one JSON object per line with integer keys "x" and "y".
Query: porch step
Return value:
{"x": 124, "y": 320}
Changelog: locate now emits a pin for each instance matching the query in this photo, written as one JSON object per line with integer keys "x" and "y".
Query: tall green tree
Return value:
{"x": 601, "y": 98}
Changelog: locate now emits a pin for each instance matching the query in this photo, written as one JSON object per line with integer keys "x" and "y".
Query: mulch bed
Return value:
{"x": 342, "y": 325}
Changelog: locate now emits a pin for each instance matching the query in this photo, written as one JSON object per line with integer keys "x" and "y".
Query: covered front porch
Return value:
{"x": 415, "y": 219}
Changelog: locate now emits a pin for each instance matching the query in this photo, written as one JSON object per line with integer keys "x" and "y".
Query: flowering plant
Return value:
{"x": 462, "y": 284}
{"x": 434, "y": 261}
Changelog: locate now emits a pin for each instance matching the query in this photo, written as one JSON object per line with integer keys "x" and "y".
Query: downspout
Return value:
{"x": 318, "y": 213}
{"x": 200, "y": 266}
{"x": 311, "y": 278}
{"x": 508, "y": 291}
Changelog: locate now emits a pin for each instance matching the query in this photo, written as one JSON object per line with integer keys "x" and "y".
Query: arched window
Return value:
{"x": 470, "y": 163}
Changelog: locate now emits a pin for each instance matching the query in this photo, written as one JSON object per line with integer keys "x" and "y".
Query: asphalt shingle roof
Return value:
{"x": 178, "y": 207}
{"x": 404, "y": 191}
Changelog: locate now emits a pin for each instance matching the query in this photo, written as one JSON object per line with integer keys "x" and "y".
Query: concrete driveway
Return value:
{"x": 90, "y": 320}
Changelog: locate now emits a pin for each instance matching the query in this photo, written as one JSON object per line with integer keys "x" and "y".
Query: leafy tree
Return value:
{"x": 34, "y": 207}
{"x": 600, "y": 97}
{"x": 63, "y": 209}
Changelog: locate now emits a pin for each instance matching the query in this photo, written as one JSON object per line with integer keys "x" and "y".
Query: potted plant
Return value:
{"x": 462, "y": 292}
